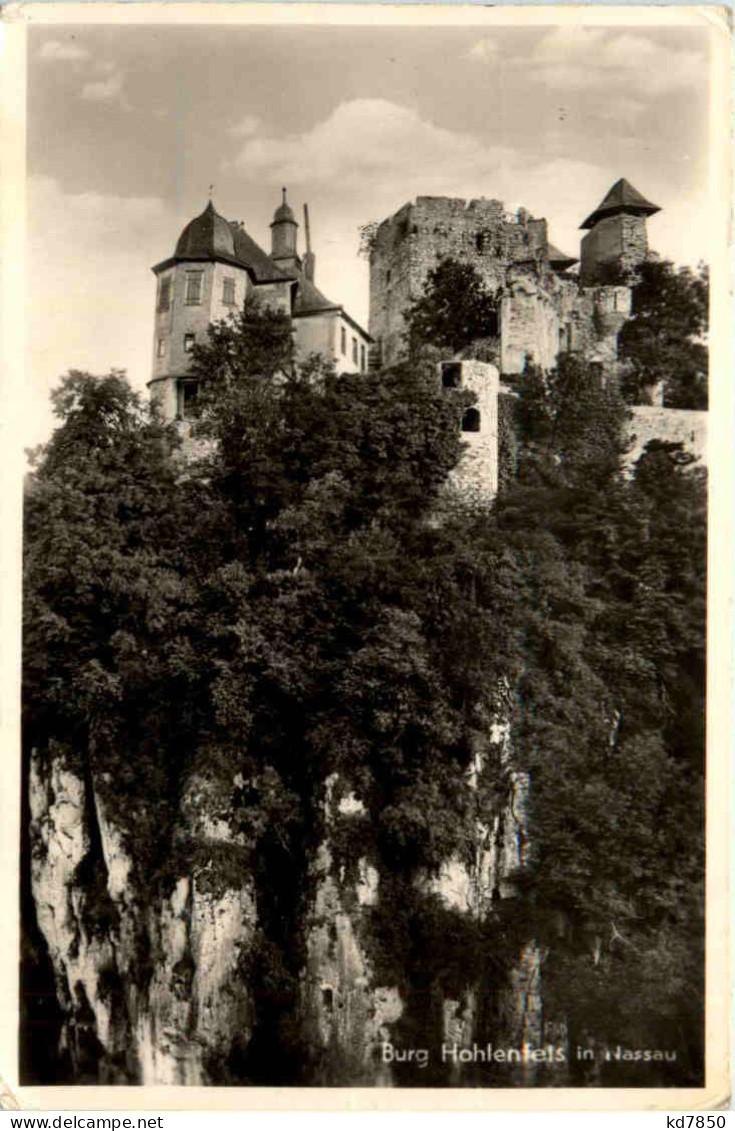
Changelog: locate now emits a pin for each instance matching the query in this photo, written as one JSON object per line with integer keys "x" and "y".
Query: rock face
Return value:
{"x": 158, "y": 989}
{"x": 148, "y": 996}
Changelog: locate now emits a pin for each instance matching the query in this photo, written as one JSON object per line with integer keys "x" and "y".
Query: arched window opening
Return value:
{"x": 471, "y": 420}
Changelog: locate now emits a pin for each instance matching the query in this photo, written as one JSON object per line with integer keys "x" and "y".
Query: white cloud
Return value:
{"x": 389, "y": 152}
{"x": 58, "y": 51}
{"x": 484, "y": 51}
{"x": 90, "y": 288}
{"x": 368, "y": 142}
{"x": 246, "y": 127}
{"x": 370, "y": 156}
{"x": 577, "y": 58}
{"x": 106, "y": 90}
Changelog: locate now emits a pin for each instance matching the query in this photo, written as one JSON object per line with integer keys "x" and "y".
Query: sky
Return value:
{"x": 129, "y": 126}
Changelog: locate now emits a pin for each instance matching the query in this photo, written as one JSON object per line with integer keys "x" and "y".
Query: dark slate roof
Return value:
{"x": 310, "y": 300}
{"x": 622, "y": 197}
{"x": 558, "y": 259}
{"x": 207, "y": 235}
{"x": 210, "y": 236}
{"x": 252, "y": 256}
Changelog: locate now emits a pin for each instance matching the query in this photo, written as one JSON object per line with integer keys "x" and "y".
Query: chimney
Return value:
{"x": 309, "y": 257}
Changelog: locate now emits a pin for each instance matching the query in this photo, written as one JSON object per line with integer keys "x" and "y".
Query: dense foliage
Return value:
{"x": 454, "y": 309}
{"x": 304, "y": 600}
{"x": 665, "y": 339}
{"x": 611, "y": 583}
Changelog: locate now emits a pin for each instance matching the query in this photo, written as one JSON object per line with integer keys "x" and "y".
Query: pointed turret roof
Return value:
{"x": 622, "y": 197}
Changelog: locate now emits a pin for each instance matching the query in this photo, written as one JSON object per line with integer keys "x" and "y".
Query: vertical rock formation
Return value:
{"x": 156, "y": 987}
{"x": 149, "y": 990}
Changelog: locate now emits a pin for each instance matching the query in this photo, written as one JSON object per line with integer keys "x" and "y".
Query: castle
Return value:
{"x": 543, "y": 308}
{"x": 214, "y": 267}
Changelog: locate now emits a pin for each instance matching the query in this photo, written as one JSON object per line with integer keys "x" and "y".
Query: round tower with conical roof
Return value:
{"x": 203, "y": 281}
{"x": 616, "y": 232}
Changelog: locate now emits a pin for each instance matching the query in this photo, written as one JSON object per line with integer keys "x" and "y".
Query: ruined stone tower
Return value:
{"x": 543, "y": 308}
{"x": 410, "y": 243}
{"x": 476, "y": 473}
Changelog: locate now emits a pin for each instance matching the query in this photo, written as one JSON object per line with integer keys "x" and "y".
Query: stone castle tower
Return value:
{"x": 543, "y": 308}
{"x": 616, "y": 231}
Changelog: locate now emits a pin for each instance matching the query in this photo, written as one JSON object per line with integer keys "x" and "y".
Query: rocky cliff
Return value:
{"x": 167, "y": 986}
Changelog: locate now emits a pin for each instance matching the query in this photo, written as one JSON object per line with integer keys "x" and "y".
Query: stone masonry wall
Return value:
{"x": 615, "y": 239}
{"x": 542, "y": 312}
{"x": 529, "y": 320}
{"x": 674, "y": 425}
{"x": 476, "y": 474}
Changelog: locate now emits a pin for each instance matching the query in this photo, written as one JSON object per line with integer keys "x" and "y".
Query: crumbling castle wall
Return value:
{"x": 671, "y": 425}
{"x": 542, "y": 312}
{"x": 412, "y": 242}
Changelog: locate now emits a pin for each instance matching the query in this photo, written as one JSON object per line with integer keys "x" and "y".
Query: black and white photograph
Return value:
{"x": 365, "y": 406}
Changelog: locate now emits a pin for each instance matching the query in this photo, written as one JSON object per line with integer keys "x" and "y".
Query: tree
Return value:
{"x": 665, "y": 339}
{"x": 295, "y": 604}
{"x": 610, "y": 582}
{"x": 454, "y": 309}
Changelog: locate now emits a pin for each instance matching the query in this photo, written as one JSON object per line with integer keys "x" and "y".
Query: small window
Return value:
{"x": 471, "y": 420}
{"x": 193, "y": 287}
{"x": 354, "y": 351}
{"x": 189, "y": 340}
{"x": 161, "y": 350}
{"x": 164, "y": 294}
{"x": 480, "y": 242}
{"x": 228, "y": 292}
{"x": 343, "y": 340}
{"x": 362, "y": 358}
{"x": 387, "y": 275}
{"x": 187, "y": 398}
{"x": 451, "y": 374}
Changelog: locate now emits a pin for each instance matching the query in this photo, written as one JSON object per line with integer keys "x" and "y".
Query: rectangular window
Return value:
{"x": 354, "y": 351}
{"x": 343, "y": 340}
{"x": 193, "y": 287}
{"x": 228, "y": 292}
{"x": 451, "y": 374}
{"x": 161, "y": 347}
{"x": 187, "y": 398}
{"x": 189, "y": 340}
{"x": 164, "y": 294}
{"x": 362, "y": 358}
